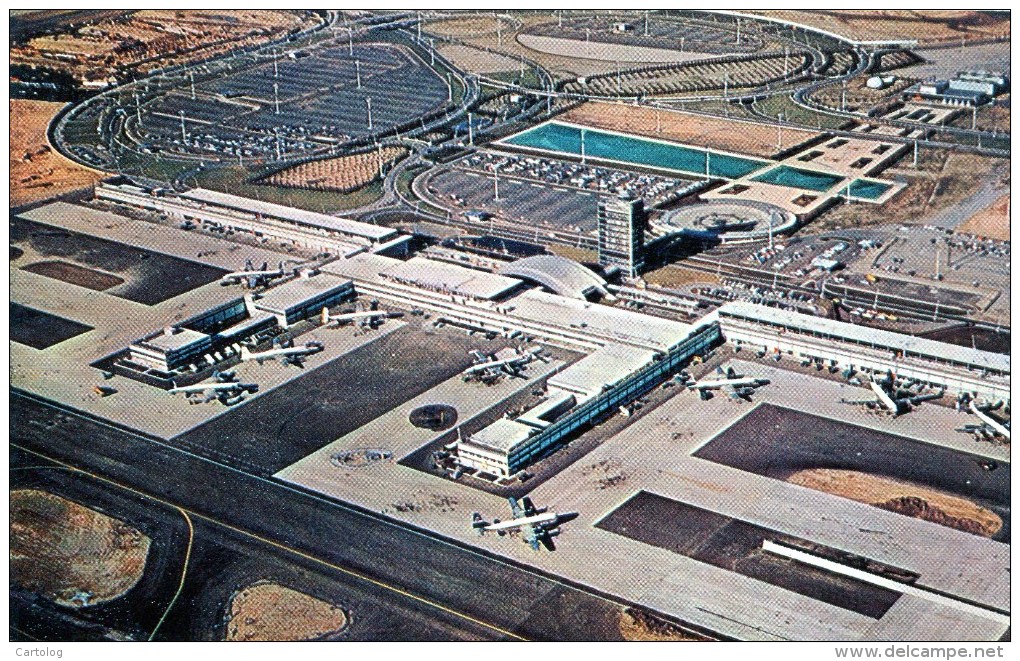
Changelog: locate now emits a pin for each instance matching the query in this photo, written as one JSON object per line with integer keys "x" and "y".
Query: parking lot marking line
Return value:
{"x": 284, "y": 547}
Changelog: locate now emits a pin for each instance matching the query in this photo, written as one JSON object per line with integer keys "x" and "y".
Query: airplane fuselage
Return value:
{"x": 205, "y": 387}
{"x": 743, "y": 382}
{"x": 540, "y": 520}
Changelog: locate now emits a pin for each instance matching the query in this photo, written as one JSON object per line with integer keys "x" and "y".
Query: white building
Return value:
{"x": 844, "y": 345}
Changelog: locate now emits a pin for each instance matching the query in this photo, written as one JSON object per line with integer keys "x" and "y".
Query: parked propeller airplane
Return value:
{"x": 488, "y": 368}
{"x": 537, "y": 525}
{"x": 988, "y": 428}
{"x": 252, "y": 277}
{"x": 285, "y": 355}
{"x": 733, "y": 384}
{"x": 367, "y": 318}
{"x": 225, "y": 389}
{"x": 889, "y": 396}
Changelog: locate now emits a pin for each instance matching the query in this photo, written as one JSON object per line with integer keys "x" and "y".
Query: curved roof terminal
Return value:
{"x": 557, "y": 274}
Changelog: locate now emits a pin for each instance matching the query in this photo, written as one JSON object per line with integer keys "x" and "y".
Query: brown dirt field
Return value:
{"x": 571, "y": 252}
{"x": 723, "y": 134}
{"x": 60, "y": 549}
{"x": 37, "y": 170}
{"x": 941, "y": 181}
{"x": 636, "y": 626}
{"x": 153, "y": 38}
{"x": 991, "y": 222}
{"x": 910, "y": 499}
{"x": 344, "y": 175}
{"x": 927, "y": 26}
{"x": 470, "y": 26}
{"x": 74, "y": 274}
{"x": 476, "y": 60}
{"x": 268, "y": 611}
{"x": 674, "y": 277}
{"x": 560, "y": 66}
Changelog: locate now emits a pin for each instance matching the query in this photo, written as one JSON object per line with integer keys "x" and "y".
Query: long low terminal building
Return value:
{"x": 339, "y": 236}
{"x": 844, "y": 345}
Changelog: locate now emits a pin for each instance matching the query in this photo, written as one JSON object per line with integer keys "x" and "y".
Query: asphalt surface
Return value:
{"x": 736, "y": 545}
{"x": 777, "y": 442}
{"x": 39, "y": 330}
{"x": 220, "y": 563}
{"x": 150, "y": 277}
{"x": 438, "y": 577}
{"x": 290, "y": 422}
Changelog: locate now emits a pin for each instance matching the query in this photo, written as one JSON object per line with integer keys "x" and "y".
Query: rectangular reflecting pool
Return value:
{"x": 784, "y": 175}
{"x": 566, "y": 139}
{"x": 868, "y": 189}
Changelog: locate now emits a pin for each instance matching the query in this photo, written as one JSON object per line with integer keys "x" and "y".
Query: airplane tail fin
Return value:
{"x": 324, "y": 316}
{"x": 478, "y": 523}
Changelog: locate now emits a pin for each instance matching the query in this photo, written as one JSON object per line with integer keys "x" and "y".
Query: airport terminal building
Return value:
{"x": 581, "y": 395}
{"x": 850, "y": 346}
{"x": 208, "y": 208}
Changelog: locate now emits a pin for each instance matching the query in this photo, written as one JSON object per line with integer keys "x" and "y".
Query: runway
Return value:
{"x": 503, "y": 600}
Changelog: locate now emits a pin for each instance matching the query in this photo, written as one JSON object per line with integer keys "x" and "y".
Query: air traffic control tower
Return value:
{"x": 621, "y": 228}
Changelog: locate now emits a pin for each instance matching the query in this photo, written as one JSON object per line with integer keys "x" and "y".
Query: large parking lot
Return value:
{"x": 538, "y": 191}
{"x": 298, "y": 103}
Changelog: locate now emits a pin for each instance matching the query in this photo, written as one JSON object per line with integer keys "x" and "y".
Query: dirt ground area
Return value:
{"x": 37, "y": 170}
{"x": 723, "y": 134}
{"x": 926, "y": 26}
{"x": 271, "y": 612}
{"x": 344, "y": 175}
{"x": 481, "y": 32}
{"x": 678, "y": 277}
{"x": 910, "y": 499}
{"x": 74, "y": 274}
{"x": 477, "y": 60}
{"x": 642, "y": 627}
{"x": 143, "y": 41}
{"x": 71, "y": 554}
{"x": 991, "y": 222}
{"x": 470, "y": 26}
{"x": 941, "y": 180}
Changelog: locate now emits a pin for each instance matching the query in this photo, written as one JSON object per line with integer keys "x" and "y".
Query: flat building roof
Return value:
{"x": 300, "y": 216}
{"x": 297, "y": 292}
{"x": 179, "y": 339}
{"x": 502, "y": 435}
{"x": 452, "y": 278}
{"x": 601, "y": 321}
{"x": 605, "y": 367}
{"x": 908, "y": 344}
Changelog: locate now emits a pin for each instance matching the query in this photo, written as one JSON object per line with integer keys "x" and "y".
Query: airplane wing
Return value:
{"x": 531, "y": 537}
{"x": 547, "y": 542}
{"x": 529, "y": 506}
{"x": 515, "y": 508}
{"x": 858, "y": 402}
